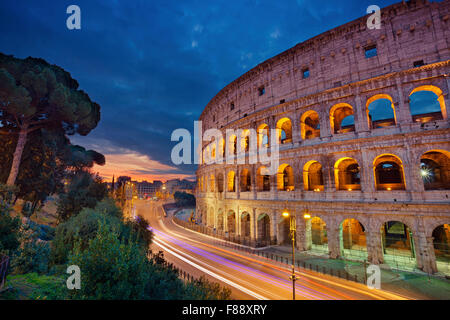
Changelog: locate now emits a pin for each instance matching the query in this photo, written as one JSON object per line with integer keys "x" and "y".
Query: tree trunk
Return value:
{"x": 18, "y": 155}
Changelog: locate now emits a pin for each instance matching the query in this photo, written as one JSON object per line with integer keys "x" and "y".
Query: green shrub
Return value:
{"x": 110, "y": 269}
{"x": 9, "y": 231}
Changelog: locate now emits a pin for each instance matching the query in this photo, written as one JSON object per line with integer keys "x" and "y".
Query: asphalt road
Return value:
{"x": 247, "y": 275}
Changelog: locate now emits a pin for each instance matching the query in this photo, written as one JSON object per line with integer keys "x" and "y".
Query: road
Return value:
{"x": 248, "y": 276}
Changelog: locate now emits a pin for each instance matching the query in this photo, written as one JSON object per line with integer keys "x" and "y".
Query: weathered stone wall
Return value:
{"x": 410, "y": 32}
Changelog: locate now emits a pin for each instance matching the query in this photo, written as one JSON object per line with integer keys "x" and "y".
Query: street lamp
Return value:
{"x": 292, "y": 229}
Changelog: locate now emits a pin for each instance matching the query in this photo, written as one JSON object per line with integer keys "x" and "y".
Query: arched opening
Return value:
{"x": 231, "y": 182}
{"x": 245, "y": 141}
{"x": 380, "y": 111}
{"x": 347, "y": 174}
{"x": 435, "y": 170}
{"x": 245, "y": 180}
{"x": 398, "y": 245}
{"x": 389, "y": 173}
{"x": 284, "y": 235}
{"x": 263, "y": 179}
{"x": 212, "y": 183}
{"x": 426, "y": 103}
{"x": 222, "y": 147}
{"x": 220, "y": 220}
{"x": 285, "y": 178}
{"x": 341, "y": 118}
{"x": 263, "y": 226}
{"x": 220, "y": 182}
{"x": 263, "y": 136}
{"x": 312, "y": 176}
{"x": 233, "y": 145}
{"x": 231, "y": 222}
{"x": 316, "y": 236}
{"x": 245, "y": 225}
{"x": 310, "y": 125}
{"x": 441, "y": 244}
{"x": 284, "y": 130}
{"x": 353, "y": 240}
{"x": 213, "y": 151}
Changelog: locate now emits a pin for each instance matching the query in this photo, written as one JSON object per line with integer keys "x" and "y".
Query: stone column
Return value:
{"x": 402, "y": 106}
{"x": 325, "y": 128}
{"x": 301, "y": 231}
{"x": 367, "y": 173}
{"x": 253, "y": 187}
{"x": 374, "y": 247}
{"x": 296, "y": 132}
{"x": 253, "y": 233}
{"x": 274, "y": 226}
{"x": 298, "y": 176}
{"x": 360, "y": 116}
{"x": 273, "y": 187}
{"x": 238, "y": 182}
{"x": 333, "y": 241}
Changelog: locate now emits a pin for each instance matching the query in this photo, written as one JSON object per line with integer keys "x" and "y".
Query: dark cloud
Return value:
{"x": 154, "y": 65}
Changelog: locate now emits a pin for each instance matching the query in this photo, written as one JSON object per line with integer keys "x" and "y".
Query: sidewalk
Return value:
{"x": 421, "y": 286}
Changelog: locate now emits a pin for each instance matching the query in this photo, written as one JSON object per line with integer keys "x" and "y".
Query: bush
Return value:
{"x": 9, "y": 231}
{"x": 110, "y": 268}
{"x": 137, "y": 230}
{"x": 203, "y": 289}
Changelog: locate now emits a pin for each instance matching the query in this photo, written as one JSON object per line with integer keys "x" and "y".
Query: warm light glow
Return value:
{"x": 349, "y": 189}
{"x": 307, "y": 216}
{"x": 424, "y": 173}
{"x": 389, "y": 189}
{"x": 285, "y": 214}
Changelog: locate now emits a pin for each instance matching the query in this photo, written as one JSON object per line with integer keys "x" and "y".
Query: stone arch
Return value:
{"x": 262, "y": 179}
{"x": 380, "y": 111}
{"x": 352, "y": 239}
{"x": 212, "y": 183}
{"x": 245, "y": 141}
{"x": 263, "y": 228}
{"x": 284, "y": 130}
{"x": 221, "y": 148}
{"x": 231, "y": 222}
{"x": 441, "y": 246}
{"x": 398, "y": 245}
{"x": 285, "y": 178}
{"x": 435, "y": 170}
{"x": 389, "y": 173}
{"x": 284, "y": 237}
{"x": 245, "y": 180}
{"x": 431, "y": 108}
{"x": 231, "y": 181}
{"x": 263, "y": 135}
{"x": 316, "y": 235}
{"x": 338, "y": 113}
{"x": 232, "y": 145}
{"x": 313, "y": 176}
{"x": 347, "y": 174}
{"x": 245, "y": 225}
{"x": 310, "y": 125}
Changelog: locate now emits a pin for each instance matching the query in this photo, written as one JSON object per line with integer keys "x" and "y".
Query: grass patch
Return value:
{"x": 32, "y": 286}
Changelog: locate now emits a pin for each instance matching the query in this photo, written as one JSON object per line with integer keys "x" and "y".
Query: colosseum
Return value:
{"x": 363, "y": 134}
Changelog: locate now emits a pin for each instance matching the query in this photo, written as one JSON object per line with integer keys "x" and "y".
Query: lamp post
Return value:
{"x": 292, "y": 229}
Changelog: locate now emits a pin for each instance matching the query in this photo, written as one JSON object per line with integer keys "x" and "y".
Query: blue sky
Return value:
{"x": 154, "y": 65}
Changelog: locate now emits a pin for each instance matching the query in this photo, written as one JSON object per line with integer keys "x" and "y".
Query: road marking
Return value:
{"x": 215, "y": 275}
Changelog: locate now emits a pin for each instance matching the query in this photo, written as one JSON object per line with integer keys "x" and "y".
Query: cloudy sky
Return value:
{"x": 154, "y": 65}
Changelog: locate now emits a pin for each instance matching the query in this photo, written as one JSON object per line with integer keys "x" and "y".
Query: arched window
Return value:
{"x": 353, "y": 240}
{"x": 284, "y": 130}
{"x": 341, "y": 118}
{"x": 220, "y": 182}
{"x": 427, "y": 104}
{"x": 347, "y": 174}
{"x": 389, "y": 173}
{"x": 245, "y": 180}
{"x": 285, "y": 178}
{"x": 245, "y": 224}
{"x": 312, "y": 176}
{"x": 263, "y": 135}
{"x": 310, "y": 125}
{"x": 212, "y": 182}
{"x": 380, "y": 111}
{"x": 435, "y": 170}
{"x": 263, "y": 179}
{"x": 231, "y": 222}
{"x": 231, "y": 182}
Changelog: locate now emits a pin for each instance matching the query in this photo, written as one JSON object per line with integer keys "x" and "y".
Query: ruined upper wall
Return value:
{"x": 410, "y": 31}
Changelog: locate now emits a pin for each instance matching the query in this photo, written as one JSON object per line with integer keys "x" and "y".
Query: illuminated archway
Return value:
{"x": 347, "y": 174}
{"x": 262, "y": 179}
{"x": 232, "y": 145}
{"x": 245, "y": 180}
{"x": 388, "y": 171}
{"x": 285, "y": 178}
{"x": 398, "y": 245}
{"x": 231, "y": 222}
{"x": 427, "y": 103}
{"x": 284, "y": 130}
{"x": 441, "y": 244}
{"x": 316, "y": 235}
{"x": 212, "y": 183}
{"x": 310, "y": 125}
{"x": 220, "y": 182}
{"x": 352, "y": 238}
{"x": 263, "y": 226}
{"x": 245, "y": 224}
{"x": 435, "y": 170}
{"x": 231, "y": 182}
{"x": 263, "y": 136}
{"x": 313, "y": 176}
{"x": 380, "y": 111}
{"x": 341, "y": 118}
{"x": 220, "y": 220}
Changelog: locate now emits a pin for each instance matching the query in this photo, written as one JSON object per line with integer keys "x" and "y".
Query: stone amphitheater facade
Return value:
{"x": 366, "y": 170}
